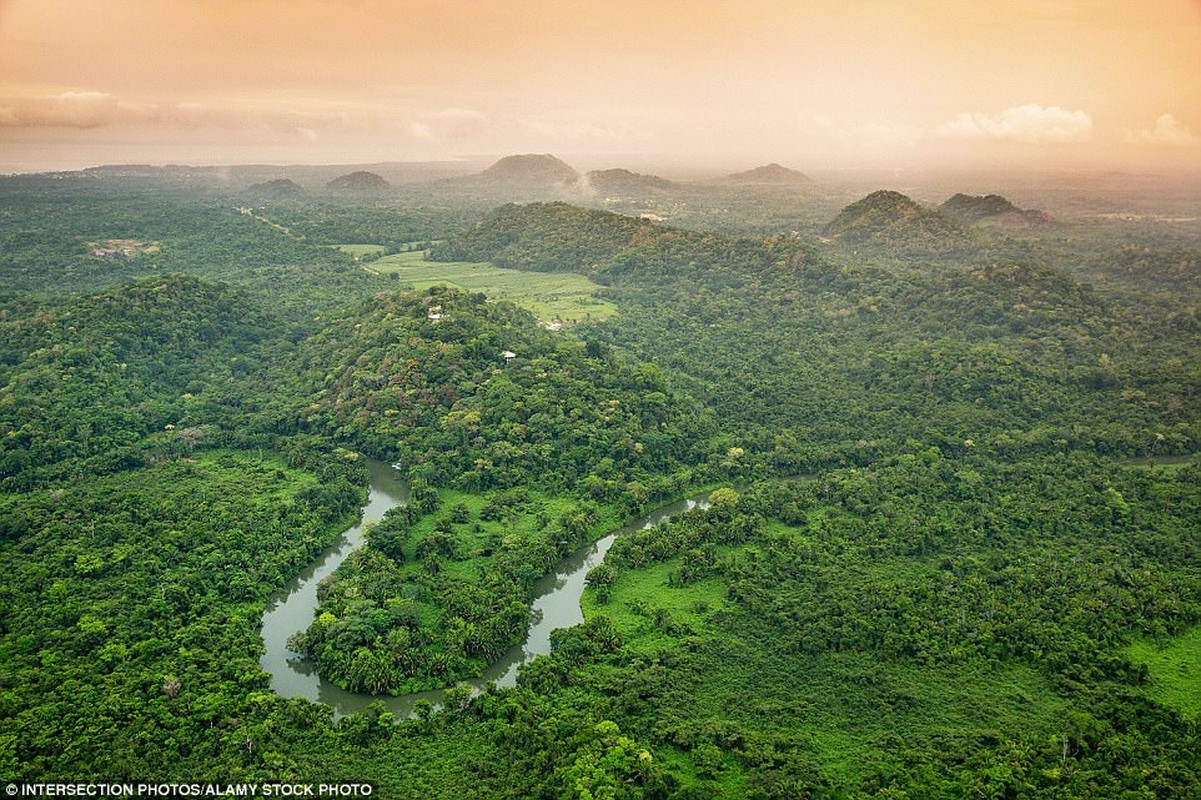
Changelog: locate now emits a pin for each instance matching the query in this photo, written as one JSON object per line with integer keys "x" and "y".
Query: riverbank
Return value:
{"x": 555, "y": 604}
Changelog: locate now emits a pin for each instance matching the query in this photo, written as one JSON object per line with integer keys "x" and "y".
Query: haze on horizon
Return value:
{"x": 1012, "y": 84}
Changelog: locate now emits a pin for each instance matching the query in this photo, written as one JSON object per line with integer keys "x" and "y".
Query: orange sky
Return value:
{"x": 810, "y": 83}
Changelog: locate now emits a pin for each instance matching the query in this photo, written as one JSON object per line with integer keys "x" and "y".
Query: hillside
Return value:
{"x": 548, "y": 237}
{"x": 891, "y": 221}
{"x": 716, "y": 306}
{"x": 624, "y": 183}
{"x": 278, "y": 189}
{"x": 85, "y": 379}
{"x": 993, "y": 208}
{"x": 528, "y": 171}
{"x": 772, "y": 174}
{"x": 359, "y": 181}
{"x": 397, "y": 366}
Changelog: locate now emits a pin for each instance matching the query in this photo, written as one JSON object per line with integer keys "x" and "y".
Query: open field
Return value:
{"x": 1175, "y": 671}
{"x": 563, "y": 296}
{"x": 835, "y": 707}
{"x": 128, "y": 248}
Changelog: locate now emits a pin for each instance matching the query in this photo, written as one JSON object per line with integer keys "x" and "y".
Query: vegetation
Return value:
{"x": 930, "y": 569}
{"x": 426, "y": 604}
{"x": 845, "y": 361}
{"x": 1174, "y": 669}
{"x": 935, "y": 604}
{"x": 890, "y": 220}
{"x": 130, "y": 608}
{"x": 359, "y": 181}
{"x": 477, "y": 395}
{"x": 564, "y": 297}
{"x": 105, "y": 381}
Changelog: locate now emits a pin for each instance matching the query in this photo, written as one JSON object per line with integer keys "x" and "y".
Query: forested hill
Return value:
{"x": 84, "y": 380}
{"x": 78, "y": 234}
{"x": 549, "y": 237}
{"x": 890, "y": 220}
{"x": 770, "y": 174}
{"x": 478, "y": 395}
{"x": 275, "y": 189}
{"x": 994, "y": 208}
{"x": 846, "y": 360}
{"x": 359, "y": 181}
{"x": 617, "y": 183}
{"x": 554, "y": 237}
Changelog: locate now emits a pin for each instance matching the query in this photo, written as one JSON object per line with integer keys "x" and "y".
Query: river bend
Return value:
{"x": 556, "y": 604}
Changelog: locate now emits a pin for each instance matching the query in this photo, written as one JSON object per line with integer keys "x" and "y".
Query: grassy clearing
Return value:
{"x": 552, "y": 296}
{"x": 1166, "y": 463}
{"x": 846, "y": 712}
{"x": 1175, "y": 671}
{"x": 477, "y": 540}
{"x": 126, "y": 248}
{"x": 652, "y": 614}
{"x": 850, "y": 711}
{"x": 859, "y": 707}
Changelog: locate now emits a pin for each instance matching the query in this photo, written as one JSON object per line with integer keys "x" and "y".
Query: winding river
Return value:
{"x": 556, "y": 605}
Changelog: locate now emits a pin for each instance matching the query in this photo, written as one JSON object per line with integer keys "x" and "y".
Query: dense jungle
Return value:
{"x": 947, "y": 433}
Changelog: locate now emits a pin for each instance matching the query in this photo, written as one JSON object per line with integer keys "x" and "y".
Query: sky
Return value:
{"x": 813, "y": 84}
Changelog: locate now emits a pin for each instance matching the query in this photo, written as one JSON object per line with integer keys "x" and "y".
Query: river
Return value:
{"x": 556, "y": 604}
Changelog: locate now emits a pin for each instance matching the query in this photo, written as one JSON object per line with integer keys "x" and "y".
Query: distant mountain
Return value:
{"x": 977, "y": 206}
{"x": 123, "y": 171}
{"x": 622, "y": 182}
{"x": 529, "y": 170}
{"x": 995, "y": 209}
{"x": 893, "y": 221}
{"x": 276, "y": 189}
{"x": 772, "y": 173}
{"x": 360, "y": 181}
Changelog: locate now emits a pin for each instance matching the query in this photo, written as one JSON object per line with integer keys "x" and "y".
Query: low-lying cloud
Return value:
{"x": 1028, "y": 124}
{"x": 1167, "y": 131}
{"x": 306, "y": 119}
{"x": 449, "y": 123}
{"x": 66, "y": 110}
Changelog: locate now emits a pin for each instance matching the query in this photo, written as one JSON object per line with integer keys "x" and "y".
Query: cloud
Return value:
{"x": 295, "y": 118}
{"x": 66, "y": 110}
{"x": 1166, "y": 131}
{"x": 576, "y": 130}
{"x": 1029, "y": 124}
{"x": 447, "y": 124}
{"x": 454, "y": 123}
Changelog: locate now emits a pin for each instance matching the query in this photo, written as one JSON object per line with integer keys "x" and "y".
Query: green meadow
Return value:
{"x": 562, "y": 296}
{"x": 844, "y": 713}
{"x": 1175, "y": 671}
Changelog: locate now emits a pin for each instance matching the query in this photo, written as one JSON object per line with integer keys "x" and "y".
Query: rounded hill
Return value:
{"x": 530, "y": 169}
{"x": 771, "y": 174}
{"x": 625, "y": 182}
{"x": 896, "y": 222}
{"x": 359, "y": 181}
{"x": 275, "y": 189}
